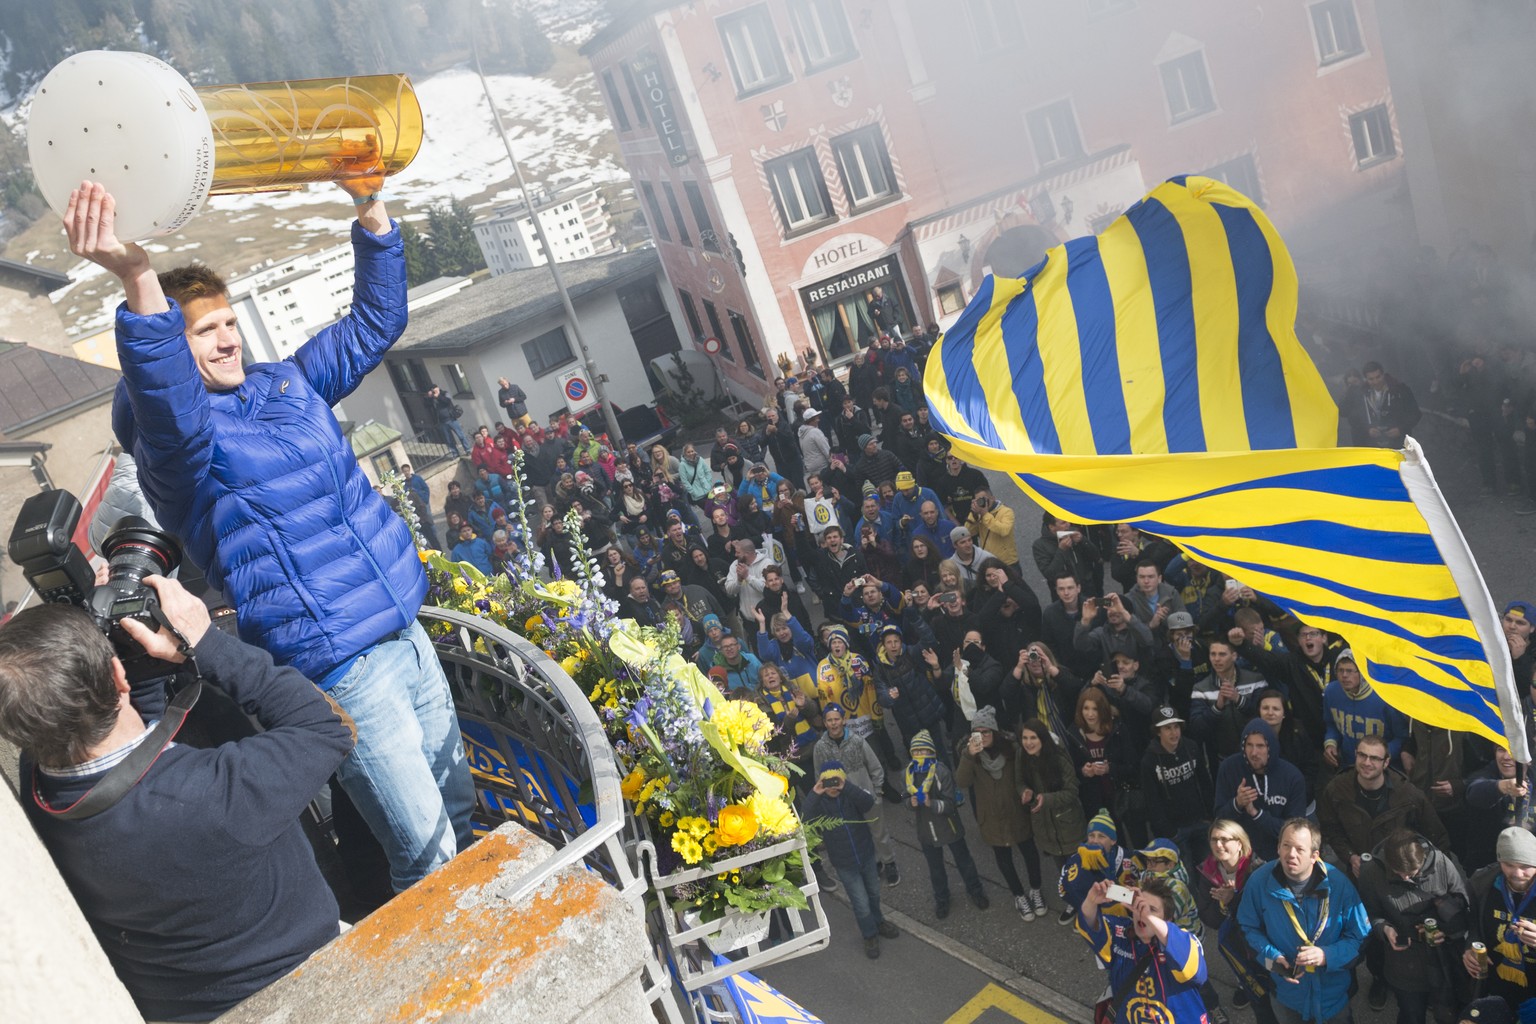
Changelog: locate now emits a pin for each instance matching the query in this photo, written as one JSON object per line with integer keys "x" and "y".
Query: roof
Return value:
{"x": 370, "y": 436}
{"x": 36, "y": 385}
{"x": 622, "y": 21}
{"x": 50, "y": 280}
{"x": 492, "y": 307}
{"x": 433, "y": 286}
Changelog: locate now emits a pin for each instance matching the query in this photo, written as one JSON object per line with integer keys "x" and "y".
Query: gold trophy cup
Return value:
{"x": 161, "y": 146}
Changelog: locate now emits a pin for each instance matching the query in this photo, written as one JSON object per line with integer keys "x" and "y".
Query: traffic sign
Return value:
{"x": 712, "y": 346}
{"x": 577, "y": 391}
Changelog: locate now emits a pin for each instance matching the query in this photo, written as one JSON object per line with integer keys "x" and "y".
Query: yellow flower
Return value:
{"x": 687, "y": 847}
{"x": 533, "y": 622}
{"x": 667, "y": 819}
{"x": 421, "y": 553}
{"x": 741, "y": 723}
{"x": 459, "y": 586}
{"x": 651, "y": 789}
{"x": 632, "y": 784}
{"x": 498, "y": 609}
{"x": 695, "y": 826}
{"x": 710, "y": 844}
{"x": 774, "y": 814}
{"x": 571, "y": 665}
{"x": 737, "y": 825}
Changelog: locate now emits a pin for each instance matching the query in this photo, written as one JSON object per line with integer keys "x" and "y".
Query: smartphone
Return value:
{"x": 1121, "y": 894}
{"x": 1234, "y": 585}
{"x": 1064, "y": 534}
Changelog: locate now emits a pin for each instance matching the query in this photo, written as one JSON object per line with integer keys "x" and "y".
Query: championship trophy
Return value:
{"x": 161, "y": 146}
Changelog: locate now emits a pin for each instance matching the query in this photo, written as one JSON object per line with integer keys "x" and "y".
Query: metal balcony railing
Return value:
{"x": 539, "y": 757}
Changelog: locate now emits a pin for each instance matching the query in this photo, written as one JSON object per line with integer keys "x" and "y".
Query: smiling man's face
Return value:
{"x": 213, "y": 334}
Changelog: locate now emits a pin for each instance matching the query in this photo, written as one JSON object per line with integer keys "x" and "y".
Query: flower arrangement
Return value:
{"x": 696, "y": 768}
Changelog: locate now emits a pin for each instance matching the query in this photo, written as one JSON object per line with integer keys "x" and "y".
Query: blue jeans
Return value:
{"x": 451, "y": 429}
{"x": 862, "y": 883}
{"x": 407, "y": 775}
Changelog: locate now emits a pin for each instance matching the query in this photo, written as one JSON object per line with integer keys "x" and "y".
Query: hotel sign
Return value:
{"x": 658, "y": 102}
{"x": 867, "y": 276}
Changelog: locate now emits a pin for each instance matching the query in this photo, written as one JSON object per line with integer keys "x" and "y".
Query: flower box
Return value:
{"x": 734, "y": 930}
{"x": 746, "y": 939}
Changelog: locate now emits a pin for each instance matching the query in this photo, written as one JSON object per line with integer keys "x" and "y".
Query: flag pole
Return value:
{"x": 1425, "y": 492}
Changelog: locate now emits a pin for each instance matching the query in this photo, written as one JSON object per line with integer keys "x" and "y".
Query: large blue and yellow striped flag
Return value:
{"x": 1152, "y": 375}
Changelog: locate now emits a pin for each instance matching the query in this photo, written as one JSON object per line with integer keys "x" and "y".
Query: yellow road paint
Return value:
{"x": 995, "y": 997}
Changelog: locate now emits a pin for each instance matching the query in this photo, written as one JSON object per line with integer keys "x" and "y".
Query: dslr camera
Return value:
{"x": 42, "y": 543}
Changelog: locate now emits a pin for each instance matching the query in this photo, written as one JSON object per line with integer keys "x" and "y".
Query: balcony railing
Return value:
{"x": 539, "y": 757}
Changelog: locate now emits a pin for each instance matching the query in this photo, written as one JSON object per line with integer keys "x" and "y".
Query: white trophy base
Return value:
{"x": 131, "y": 122}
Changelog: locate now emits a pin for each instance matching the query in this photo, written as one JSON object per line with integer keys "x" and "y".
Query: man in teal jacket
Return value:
{"x": 1306, "y": 923}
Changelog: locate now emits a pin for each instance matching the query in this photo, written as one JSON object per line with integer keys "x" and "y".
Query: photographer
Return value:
{"x": 197, "y": 880}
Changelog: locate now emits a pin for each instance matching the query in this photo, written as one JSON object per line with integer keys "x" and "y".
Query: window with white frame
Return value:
{"x": 1187, "y": 86}
{"x": 1053, "y": 130}
{"x": 752, "y": 50}
{"x": 548, "y": 352}
{"x": 822, "y": 29}
{"x": 1337, "y": 31}
{"x": 951, "y": 299}
{"x": 620, "y": 116}
{"x": 701, "y": 216}
{"x": 1372, "y": 132}
{"x": 1242, "y": 173}
{"x": 458, "y": 381}
{"x": 996, "y": 23}
{"x": 677, "y": 214}
{"x": 799, "y": 190}
{"x": 865, "y": 166}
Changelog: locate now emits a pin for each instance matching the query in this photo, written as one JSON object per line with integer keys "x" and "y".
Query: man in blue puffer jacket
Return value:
{"x": 248, "y": 466}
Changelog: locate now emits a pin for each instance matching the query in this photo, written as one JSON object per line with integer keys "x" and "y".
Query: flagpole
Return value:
{"x": 1425, "y": 492}
{"x": 549, "y": 257}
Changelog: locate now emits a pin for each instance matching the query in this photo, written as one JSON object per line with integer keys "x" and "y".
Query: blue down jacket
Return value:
{"x": 260, "y": 484}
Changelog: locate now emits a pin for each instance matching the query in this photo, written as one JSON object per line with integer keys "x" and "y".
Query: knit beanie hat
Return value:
{"x": 1516, "y": 845}
{"x": 1493, "y": 1010}
{"x": 1102, "y": 822}
{"x": 985, "y": 718}
{"x": 922, "y": 745}
{"x": 832, "y": 770}
{"x": 864, "y": 440}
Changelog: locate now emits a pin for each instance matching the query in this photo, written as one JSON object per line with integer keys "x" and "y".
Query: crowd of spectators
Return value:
{"x": 1143, "y": 721}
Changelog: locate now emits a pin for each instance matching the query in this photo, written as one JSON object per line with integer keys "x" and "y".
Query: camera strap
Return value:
{"x": 124, "y": 775}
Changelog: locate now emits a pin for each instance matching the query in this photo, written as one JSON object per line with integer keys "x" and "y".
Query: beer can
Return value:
{"x": 1431, "y": 929}
{"x": 1480, "y": 951}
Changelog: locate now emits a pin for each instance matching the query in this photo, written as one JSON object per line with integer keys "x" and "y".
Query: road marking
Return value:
{"x": 1007, "y": 978}
{"x": 995, "y": 997}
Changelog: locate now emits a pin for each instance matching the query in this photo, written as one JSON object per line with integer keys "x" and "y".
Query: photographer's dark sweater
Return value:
{"x": 199, "y": 883}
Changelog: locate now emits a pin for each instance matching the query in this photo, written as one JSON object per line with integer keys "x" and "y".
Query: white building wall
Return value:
{"x": 576, "y": 224}
{"x": 280, "y": 306}
{"x": 607, "y": 334}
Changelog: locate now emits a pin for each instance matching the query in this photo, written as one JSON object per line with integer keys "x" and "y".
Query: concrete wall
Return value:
{"x": 457, "y": 948}
{"x": 51, "y": 969}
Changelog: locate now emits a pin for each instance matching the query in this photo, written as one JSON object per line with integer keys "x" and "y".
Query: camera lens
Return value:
{"x": 136, "y": 549}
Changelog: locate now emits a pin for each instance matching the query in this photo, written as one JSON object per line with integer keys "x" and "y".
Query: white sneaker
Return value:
{"x": 1021, "y": 904}
{"x": 800, "y": 588}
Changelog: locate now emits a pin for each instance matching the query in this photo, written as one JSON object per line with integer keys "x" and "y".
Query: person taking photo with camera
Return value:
{"x": 190, "y": 864}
